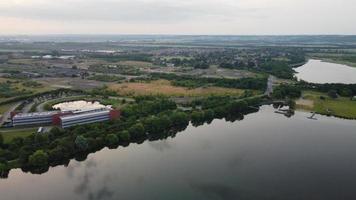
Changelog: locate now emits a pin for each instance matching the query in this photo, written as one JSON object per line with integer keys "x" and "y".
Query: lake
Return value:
{"x": 316, "y": 71}
{"x": 264, "y": 156}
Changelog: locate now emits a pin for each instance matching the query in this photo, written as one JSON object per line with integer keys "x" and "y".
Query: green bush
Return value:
{"x": 81, "y": 143}
{"x": 38, "y": 159}
{"x": 111, "y": 139}
{"x": 137, "y": 130}
{"x": 124, "y": 136}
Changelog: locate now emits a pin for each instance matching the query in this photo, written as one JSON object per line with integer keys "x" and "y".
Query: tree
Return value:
{"x": 237, "y": 106}
{"x": 79, "y": 130}
{"x": 24, "y": 153}
{"x": 111, "y": 139}
{"x": 41, "y": 139}
{"x": 1, "y": 140}
{"x": 137, "y": 130}
{"x": 56, "y": 154}
{"x": 209, "y": 115}
{"x": 197, "y": 118}
{"x": 38, "y": 159}
{"x": 283, "y": 91}
{"x": 15, "y": 143}
{"x": 179, "y": 119}
{"x": 56, "y": 131}
{"x": 346, "y": 92}
{"x": 2, "y": 167}
{"x": 291, "y": 103}
{"x": 157, "y": 125}
{"x": 124, "y": 136}
{"x": 332, "y": 94}
{"x": 81, "y": 143}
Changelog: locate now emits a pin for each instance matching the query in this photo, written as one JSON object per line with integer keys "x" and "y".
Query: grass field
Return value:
{"x": 164, "y": 87}
{"x": 19, "y": 85}
{"x": 10, "y": 134}
{"x": 4, "y": 108}
{"x": 344, "y": 59}
{"x": 135, "y": 63}
{"x": 340, "y": 107}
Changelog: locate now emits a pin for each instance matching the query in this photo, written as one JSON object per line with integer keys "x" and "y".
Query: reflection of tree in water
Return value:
{"x": 160, "y": 146}
{"x": 84, "y": 187}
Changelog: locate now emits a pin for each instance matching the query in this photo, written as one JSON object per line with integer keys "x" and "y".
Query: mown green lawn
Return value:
{"x": 340, "y": 107}
{"x": 10, "y": 134}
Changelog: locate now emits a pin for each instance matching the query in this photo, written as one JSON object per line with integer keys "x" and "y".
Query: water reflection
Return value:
{"x": 87, "y": 181}
{"x": 161, "y": 145}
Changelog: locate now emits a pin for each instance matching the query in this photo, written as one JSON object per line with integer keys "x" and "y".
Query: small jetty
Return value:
{"x": 312, "y": 116}
{"x": 254, "y": 107}
{"x": 285, "y": 111}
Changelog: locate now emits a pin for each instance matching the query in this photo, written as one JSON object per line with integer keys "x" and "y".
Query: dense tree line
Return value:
{"x": 332, "y": 89}
{"x": 194, "y": 82}
{"x": 197, "y": 63}
{"x": 287, "y": 90}
{"x": 278, "y": 68}
{"x": 345, "y": 90}
{"x": 273, "y": 62}
{"x": 123, "y": 57}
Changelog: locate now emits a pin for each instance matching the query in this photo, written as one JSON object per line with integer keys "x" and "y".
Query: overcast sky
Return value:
{"x": 240, "y": 17}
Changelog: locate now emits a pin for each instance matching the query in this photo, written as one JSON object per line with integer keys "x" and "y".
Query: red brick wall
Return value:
{"x": 114, "y": 114}
{"x": 56, "y": 120}
{"x": 13, "y": 113}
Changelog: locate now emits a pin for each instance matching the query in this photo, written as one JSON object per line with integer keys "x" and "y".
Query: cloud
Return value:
{"x": 124, "y": 10}
{"x": 178, "y": 16}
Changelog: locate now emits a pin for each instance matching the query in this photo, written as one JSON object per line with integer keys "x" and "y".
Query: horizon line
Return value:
{"x": 161, "y": 34}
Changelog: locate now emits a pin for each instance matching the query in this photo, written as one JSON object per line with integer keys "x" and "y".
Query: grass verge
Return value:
{"x": 10, "y": 134}
{"x": 340, "y": 107}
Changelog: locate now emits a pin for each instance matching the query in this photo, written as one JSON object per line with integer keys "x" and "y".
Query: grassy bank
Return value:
{"x": 10, "y": 134}
{"x": 340, "y": 107}
{"x": 344, "y": 59}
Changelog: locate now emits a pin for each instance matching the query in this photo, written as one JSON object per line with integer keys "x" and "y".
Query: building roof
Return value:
{"x": 35, "y": 114}
{"x": 90, "y": 110}
{"x": 82, "y": 115}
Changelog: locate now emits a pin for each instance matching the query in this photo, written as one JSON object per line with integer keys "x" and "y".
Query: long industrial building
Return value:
{"x": 23, "y": 119}
{"x": 65, "y": 119}
{"x": 85, "y": 118}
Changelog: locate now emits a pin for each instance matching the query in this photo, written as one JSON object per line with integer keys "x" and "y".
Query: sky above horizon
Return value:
{"x": 231, "y": 17}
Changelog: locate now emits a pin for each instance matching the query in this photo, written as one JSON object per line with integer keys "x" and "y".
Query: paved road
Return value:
{"x": 27, "y": 107}
{"x": 270, "y": 83}
{"x": 6, "y": 115}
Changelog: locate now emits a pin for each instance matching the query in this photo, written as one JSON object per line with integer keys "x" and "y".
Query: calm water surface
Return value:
{"x": 316, "y": 71}
{"x": 264, "y": 156}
